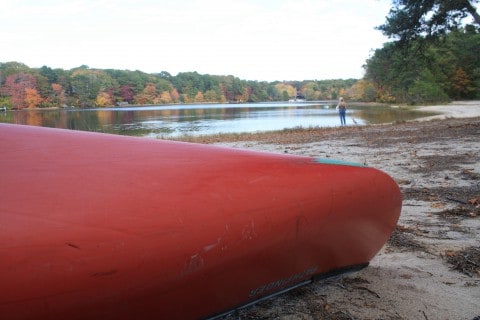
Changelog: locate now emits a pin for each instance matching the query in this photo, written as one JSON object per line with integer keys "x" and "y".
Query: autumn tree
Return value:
{"x": 286, "y": 90}
{"x": 82, "y": 86}
{"x": 15, "y": 86}
{"x": 231, "y": 87}
{"x": 164, "y": 98}
{"x": 462, "y": 86}
{"x": 211, "y": 96}
{"x": 175, "y": 95}
{"x": 199, "y": 97}
{"x": 363, "y": 90}
{"x": 126, "y": 93}
{"x": 103, "y": 99}
{"x": 148, "y": 95}
{"x": 310, "y": 91}
{"x": 247, "y": 93}
{"x": 32, "y": 99}
{"x": 58, "y": 96}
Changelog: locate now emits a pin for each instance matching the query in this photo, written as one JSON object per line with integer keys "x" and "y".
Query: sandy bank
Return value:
{"x": 456, "y": 109}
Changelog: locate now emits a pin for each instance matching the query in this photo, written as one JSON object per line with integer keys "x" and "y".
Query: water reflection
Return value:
{"x": 372, "y": 115}
{"x": 175, "y": 120}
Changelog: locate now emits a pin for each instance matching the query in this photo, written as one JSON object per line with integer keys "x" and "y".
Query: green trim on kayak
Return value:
{"x": 338, "y": 162}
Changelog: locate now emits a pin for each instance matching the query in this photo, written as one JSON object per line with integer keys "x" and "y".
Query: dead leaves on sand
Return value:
{"x": 469, "y": 208}
{"x": 467, "y": 200}
{"x": 459, "y": 213}
{"x": 403, "y": 238}
{"x": 466, "y": 261}
{"x": 431, "y": 163}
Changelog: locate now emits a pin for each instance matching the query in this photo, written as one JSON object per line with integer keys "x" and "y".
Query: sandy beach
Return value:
{"x": 430, "y": 267}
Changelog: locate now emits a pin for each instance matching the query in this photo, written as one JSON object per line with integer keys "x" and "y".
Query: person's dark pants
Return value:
{"x": 342, "y": 117}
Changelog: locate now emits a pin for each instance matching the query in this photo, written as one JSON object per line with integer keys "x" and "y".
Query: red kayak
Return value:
{"x": 98, "y": 226}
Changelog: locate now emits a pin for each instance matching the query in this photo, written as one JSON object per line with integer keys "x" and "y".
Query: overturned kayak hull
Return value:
{"x": 112, "y": 227}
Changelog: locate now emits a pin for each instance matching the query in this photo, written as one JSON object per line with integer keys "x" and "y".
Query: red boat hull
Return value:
{"x": 97, "y": 226}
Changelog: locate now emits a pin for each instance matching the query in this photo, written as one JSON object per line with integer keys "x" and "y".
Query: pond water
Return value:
{"x": 204, "y": 119}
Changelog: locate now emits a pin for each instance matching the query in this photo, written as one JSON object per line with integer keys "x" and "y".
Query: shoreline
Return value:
{"x": 456, "y": 109}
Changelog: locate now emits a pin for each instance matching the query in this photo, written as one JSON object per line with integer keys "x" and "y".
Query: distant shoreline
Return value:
{"x": 456, "y": 109}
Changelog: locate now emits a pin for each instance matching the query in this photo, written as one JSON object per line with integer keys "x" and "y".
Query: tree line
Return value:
{"x": 25, "y": 87}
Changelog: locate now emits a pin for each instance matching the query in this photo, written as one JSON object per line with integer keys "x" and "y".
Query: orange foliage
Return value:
{"x": 148, "y": 95}
{"x": 103, "y": 99}
{"x": 150, "y": 90}
{"x": 165, "y": 97}
{"x": 57, "y": 88}
{"x": 32, "y": 98}
{"x": 462, "y": 85}
{"x": 175, "y": 95}
{"x": 199, "y": 97}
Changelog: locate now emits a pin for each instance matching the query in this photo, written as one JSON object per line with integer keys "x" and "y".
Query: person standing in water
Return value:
{"x": 342, "y": 109}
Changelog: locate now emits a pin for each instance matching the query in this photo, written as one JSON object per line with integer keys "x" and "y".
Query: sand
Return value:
{"x": 436, "y": 162}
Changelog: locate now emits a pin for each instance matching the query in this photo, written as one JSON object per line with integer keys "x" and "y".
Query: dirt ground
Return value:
{"x": 430, "y": 267}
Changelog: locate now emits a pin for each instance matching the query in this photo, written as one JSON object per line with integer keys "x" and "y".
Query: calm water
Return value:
{"x": 177, "y": 120}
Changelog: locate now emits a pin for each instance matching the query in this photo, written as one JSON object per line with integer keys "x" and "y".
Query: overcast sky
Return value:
{"x": 250, "y": 39}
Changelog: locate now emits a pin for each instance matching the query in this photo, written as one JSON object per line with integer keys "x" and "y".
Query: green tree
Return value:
{"x": 425, "y": 89}
{"x": 49, "y": 74}
{"x": 9, "y": 68}
{"x": 231, "y": 88}
{"x": 410, "y": 19}
{"x": 88, "y": 83}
